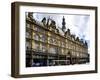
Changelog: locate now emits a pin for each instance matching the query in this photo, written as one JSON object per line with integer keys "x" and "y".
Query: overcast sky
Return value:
{"x": 78, "y": 24}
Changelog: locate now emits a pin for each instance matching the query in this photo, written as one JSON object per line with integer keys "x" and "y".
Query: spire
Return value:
{"x": 63, "y": 24}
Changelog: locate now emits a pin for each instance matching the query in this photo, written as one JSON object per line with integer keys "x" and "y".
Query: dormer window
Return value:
{"x": 77, "y": 39}
{"x": 44, "y": 21}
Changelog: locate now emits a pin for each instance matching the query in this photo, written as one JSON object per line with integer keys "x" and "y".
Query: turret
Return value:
{"x": 63, "y": 24}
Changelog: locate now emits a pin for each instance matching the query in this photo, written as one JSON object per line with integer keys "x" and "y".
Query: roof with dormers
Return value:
{"x": 49, "y": 23}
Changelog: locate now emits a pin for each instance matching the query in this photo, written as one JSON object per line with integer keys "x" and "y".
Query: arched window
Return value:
{"x": 63, "y": 44}
{"x": 28, "y": 35}
{"x": 43, "y": 48}
{"x": 57, "y": 50}
{"x": 69, "y": 53}
{"x": 36, "y": 37}
{"x": 50, "y": 40}
{"x": 36, "y": 46}
{"x": 28, "y": 45}
{"x": 28, "y": 25}
{"x": 55, "y": 41}
{"x": 35, "y": 28}
{"x": 53, "y": 50}
{"x": 43, "y": 38}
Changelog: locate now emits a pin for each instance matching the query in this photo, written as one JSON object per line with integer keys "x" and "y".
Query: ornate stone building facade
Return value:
{"x": 49, "y": 45}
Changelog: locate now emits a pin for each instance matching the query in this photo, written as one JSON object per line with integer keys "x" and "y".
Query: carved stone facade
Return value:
{"x": 48, "y": 45}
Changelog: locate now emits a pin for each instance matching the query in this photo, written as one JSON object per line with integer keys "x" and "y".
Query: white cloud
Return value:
{"x": 78, "y": 24}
